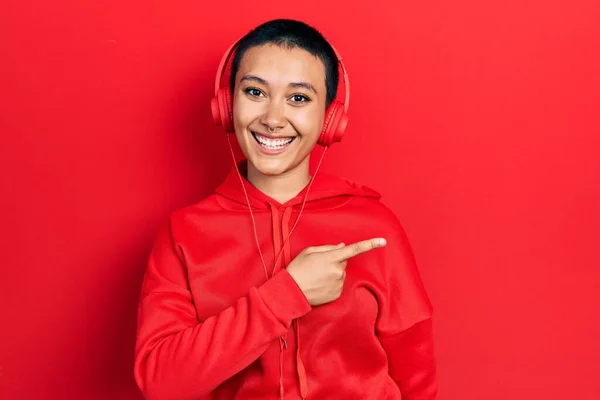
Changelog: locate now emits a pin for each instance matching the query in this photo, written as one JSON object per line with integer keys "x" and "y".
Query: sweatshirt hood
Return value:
{"x": 325, "y": 192}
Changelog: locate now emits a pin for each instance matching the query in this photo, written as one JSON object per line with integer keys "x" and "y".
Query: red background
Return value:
{"x": 478, "y": 122}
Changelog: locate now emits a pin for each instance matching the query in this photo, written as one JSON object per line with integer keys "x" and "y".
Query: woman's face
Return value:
{"x": 284, "y": 90}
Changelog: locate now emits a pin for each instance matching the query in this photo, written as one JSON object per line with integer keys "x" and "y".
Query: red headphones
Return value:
{"x": 336, "y": 117}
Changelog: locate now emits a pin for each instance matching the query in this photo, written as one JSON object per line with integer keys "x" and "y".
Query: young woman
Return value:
{"x": 281, "y": 285}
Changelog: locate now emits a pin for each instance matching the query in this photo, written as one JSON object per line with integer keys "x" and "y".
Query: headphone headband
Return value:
{"x": 230, "y": 52}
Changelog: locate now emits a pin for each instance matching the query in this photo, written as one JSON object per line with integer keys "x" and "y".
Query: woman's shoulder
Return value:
{"x": 194, "y": 214}
{"x": 367, "y": 202}
{"x": 377, "y": 212}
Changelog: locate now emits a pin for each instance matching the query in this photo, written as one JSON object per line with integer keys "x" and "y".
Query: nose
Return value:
{"x": 274, "y": 116}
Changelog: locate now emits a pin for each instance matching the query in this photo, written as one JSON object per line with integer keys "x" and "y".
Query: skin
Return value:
{"x": 284, "y": 89}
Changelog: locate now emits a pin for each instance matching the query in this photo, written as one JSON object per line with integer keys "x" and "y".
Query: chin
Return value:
{"x": 271, "y": 167}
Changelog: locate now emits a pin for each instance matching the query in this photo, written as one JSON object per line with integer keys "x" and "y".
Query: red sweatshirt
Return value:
{"x": 211, "y": 326}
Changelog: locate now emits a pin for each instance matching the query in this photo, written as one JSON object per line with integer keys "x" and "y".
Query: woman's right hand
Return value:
{"x": 320, "y": 271}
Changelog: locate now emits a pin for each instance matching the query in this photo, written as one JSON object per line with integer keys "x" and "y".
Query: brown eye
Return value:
{"x": 300, "y": 98}
{"x": 253, "y": 92}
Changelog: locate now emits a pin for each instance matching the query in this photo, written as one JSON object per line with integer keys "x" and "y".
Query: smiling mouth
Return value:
{"x": 272, "y": 144}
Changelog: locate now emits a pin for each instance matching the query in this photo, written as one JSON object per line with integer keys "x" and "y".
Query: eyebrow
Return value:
{"x": 255, "y": 78}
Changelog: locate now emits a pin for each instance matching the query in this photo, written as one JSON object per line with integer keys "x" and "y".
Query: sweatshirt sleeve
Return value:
{"x": 404, "y": 324}
{"x": 179, "y": 357}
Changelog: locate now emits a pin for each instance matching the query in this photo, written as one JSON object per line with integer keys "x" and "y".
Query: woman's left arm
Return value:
{"x": 404, "y": 323}
{"x": 412, "y": 362}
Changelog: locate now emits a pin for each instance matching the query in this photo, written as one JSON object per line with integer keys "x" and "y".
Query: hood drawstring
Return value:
{"x": 288, "y": 258}
{"x": 281, "y": 225}
{"x": 276, "y": 225}
{"x": 300, "y": 365}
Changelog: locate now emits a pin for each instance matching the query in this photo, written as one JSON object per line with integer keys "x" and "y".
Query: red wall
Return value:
{"x": 478, "y": 122}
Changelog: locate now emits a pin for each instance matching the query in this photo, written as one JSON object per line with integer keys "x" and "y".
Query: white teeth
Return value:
{"x": 273, "y": 144}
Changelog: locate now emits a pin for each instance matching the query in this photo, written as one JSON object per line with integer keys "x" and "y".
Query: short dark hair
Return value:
{"x": 291, "y": 34}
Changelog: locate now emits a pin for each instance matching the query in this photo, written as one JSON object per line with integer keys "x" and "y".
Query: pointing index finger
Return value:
{"x": 355, "y": 249}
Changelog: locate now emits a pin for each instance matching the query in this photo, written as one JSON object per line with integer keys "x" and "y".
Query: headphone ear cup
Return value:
{"x": 221, "y": 109}
{"x": 334, "y": 125}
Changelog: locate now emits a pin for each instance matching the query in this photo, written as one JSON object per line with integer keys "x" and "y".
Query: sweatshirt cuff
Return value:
{"x": 284, "y": 297}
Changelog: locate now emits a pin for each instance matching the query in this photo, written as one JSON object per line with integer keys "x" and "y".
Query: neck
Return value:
{"x": 284, "y": 187}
